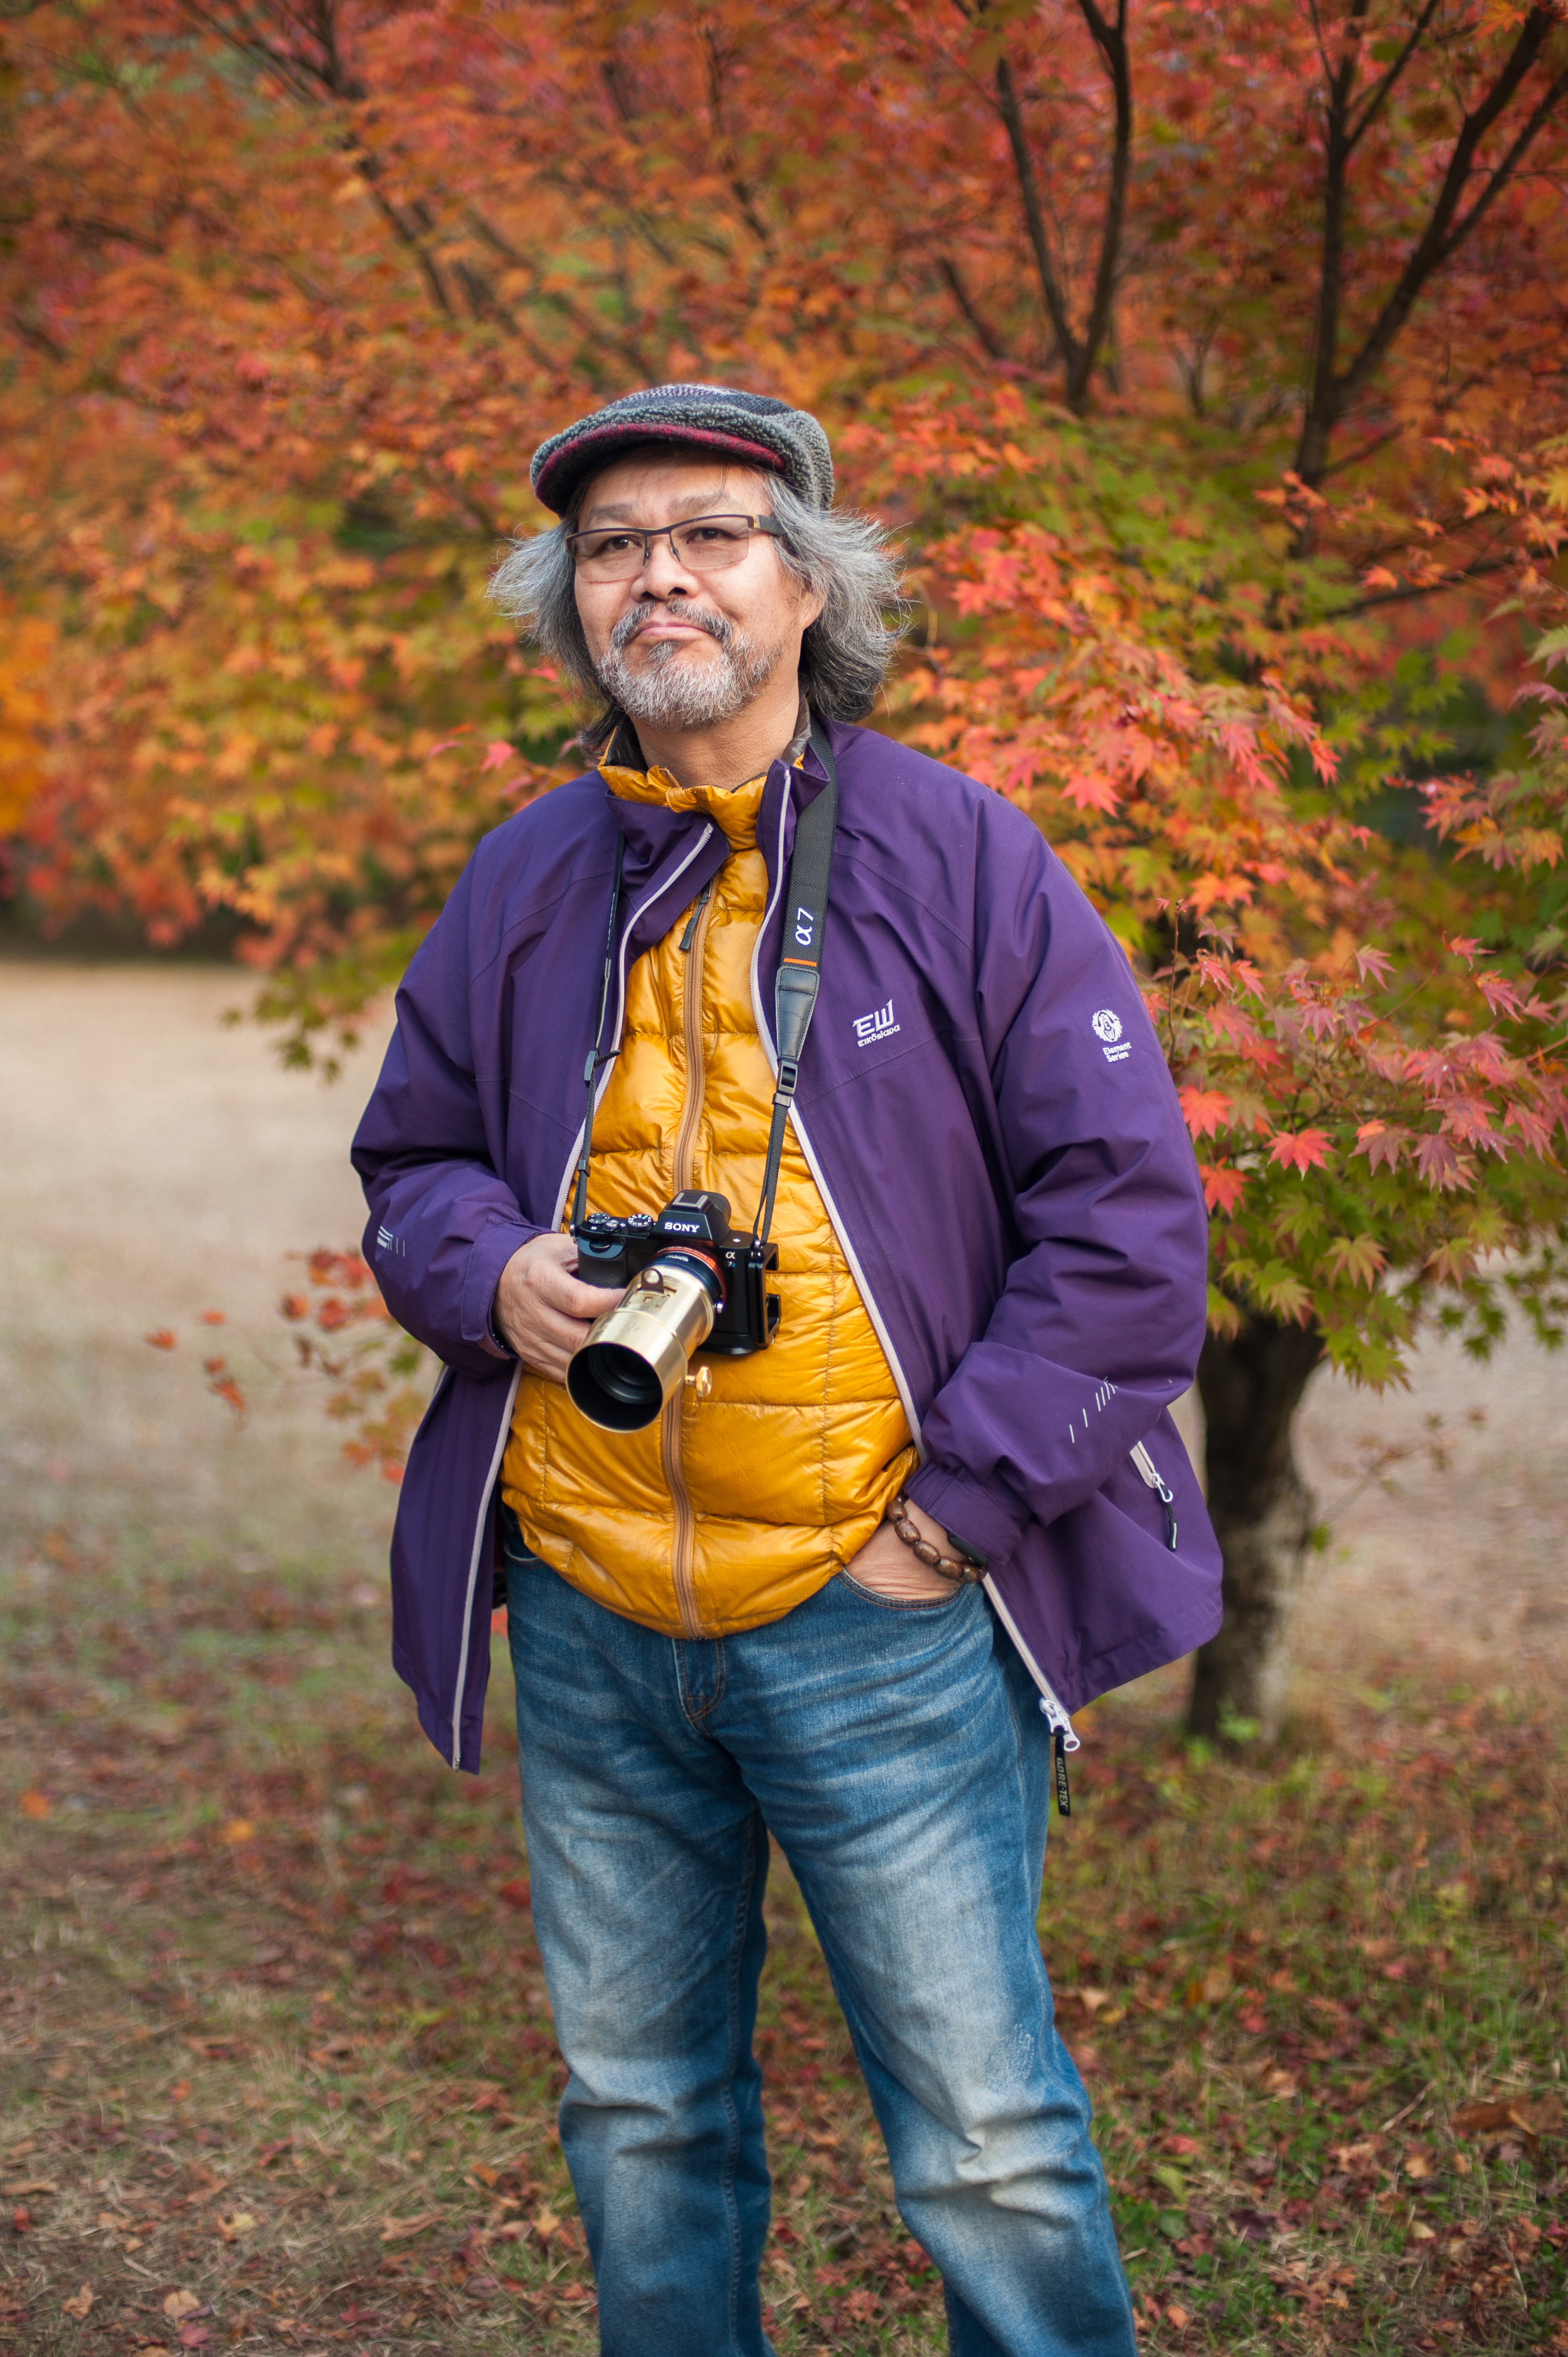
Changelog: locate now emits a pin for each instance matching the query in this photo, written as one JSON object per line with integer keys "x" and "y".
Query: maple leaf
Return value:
{"x": 1381, "y": 1142}
{"x": 1222, "y": 1185}
{"x": 1501, "y": 993}
{"x": 1300, "y": 1150}
{"x": 1223, "y": 1315}
{"x": 1534, "y": 1129}
{"x": 1282, "y": 1293}
{"x": 497, "y": 753}
{"x": 1360, "y": 1258}
{"x": 1205, "y": 1110}
{"x": 1438, "y": 1163}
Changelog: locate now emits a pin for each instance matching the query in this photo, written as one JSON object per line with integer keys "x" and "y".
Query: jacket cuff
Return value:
{"x": 492, "y": 1248}
{"x": 991, "y": 1522}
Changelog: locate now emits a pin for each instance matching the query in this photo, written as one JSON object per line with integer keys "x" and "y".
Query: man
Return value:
{"x": 846, "y": 1589}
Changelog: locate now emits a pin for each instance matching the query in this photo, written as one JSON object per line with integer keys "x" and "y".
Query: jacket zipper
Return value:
{"x": 693, "y": 946}
{"x": 460, "y": 1680}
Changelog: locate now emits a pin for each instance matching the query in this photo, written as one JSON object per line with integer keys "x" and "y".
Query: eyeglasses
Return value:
{"x": 705, "y": 545}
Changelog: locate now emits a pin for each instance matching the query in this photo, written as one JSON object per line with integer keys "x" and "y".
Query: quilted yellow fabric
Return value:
{"x": 752, "y": 1489}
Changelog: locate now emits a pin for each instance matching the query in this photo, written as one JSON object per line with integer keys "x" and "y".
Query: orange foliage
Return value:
{"x": 1209, "y": 357}
{"x": 27, "y": 643}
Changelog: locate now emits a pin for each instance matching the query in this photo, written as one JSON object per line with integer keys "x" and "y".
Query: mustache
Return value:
{"x": 630, "y": 626}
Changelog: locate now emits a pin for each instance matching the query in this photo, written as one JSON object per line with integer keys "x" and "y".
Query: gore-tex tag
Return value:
{"x": 1064, "y": 1791}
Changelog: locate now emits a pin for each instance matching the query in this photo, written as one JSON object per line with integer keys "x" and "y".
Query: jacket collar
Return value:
{"x": 660, "y": 823}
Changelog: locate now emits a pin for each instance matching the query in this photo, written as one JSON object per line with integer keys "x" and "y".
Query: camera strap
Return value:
{"x": 795, "y": 993}
{"x": 800, "y": 968}
{"x": 591, "y": 1068}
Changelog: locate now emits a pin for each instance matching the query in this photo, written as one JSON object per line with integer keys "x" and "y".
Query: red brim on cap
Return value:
{"x": 600, "y": 443}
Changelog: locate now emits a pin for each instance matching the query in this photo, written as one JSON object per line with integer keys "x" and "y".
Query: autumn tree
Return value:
{"x": 1211, "y": 355}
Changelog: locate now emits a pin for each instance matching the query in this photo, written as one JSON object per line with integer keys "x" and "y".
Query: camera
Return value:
{"x": 686, "y": 1285}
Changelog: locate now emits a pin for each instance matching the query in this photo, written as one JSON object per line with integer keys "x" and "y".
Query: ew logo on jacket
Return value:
{"x": 1107, "y": 1029}
{"x": 869, "y": 1028}
{"x": 387, "y": 1242}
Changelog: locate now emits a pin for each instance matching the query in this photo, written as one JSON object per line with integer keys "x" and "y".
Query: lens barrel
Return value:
{"x": 635, "y": 1355}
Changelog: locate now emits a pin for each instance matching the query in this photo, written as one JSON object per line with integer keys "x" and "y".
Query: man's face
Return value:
{"x": 673, "y": 646}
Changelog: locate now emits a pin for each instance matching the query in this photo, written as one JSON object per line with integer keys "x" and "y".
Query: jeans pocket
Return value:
{"x": 915, "y": 1604}
{"x": 519, "y": 1554}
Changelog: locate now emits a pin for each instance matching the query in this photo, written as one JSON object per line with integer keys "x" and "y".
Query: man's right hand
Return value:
{"x": 543, "y": 1309}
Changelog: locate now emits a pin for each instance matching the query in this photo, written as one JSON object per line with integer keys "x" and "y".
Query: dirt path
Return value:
{"x": 158, "y": 1163}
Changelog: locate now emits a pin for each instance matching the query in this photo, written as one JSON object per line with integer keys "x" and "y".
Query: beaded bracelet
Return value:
{"x": 924, "y": 1552}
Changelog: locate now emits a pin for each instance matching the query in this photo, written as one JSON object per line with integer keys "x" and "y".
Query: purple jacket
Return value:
{"x": 986, "y": 1110}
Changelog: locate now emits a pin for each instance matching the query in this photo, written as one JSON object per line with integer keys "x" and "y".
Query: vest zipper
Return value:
{"x": 693, "y": 946}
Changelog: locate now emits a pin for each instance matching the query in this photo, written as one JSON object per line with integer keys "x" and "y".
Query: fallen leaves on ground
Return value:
{"x": 356, "y": 2001}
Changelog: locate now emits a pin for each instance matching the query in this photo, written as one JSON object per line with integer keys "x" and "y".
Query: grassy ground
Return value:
{"x": 277, "y": 2069}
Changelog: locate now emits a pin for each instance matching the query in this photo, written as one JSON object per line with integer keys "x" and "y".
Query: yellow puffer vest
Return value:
{"x": 758, "y": 1483}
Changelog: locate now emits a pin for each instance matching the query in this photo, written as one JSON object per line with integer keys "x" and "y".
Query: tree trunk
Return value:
{"x": 1251, "y": 1386}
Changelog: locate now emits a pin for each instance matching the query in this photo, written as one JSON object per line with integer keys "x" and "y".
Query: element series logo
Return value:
{"x": 1106, "y": 1026}
{"x": 868, "y": 1028}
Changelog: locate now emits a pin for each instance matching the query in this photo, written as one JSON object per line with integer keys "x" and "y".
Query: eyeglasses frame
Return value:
{"x": 769, "y": 525}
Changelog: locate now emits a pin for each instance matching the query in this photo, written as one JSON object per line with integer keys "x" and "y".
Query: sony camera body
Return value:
{"x": 612, "y": 1252}
{"x": 686, "y": 1284}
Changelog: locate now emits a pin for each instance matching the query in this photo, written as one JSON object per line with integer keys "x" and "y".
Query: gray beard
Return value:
{"x": 668, "y": 695}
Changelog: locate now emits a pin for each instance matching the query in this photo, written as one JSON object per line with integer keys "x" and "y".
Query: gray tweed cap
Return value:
{"x": 747, "y": 426}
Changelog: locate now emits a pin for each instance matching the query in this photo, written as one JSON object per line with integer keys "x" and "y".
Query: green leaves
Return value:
{"x": 1359, "y": 1258}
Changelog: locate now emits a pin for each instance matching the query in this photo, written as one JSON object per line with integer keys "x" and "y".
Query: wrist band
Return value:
{"x": 967, "y": 1574}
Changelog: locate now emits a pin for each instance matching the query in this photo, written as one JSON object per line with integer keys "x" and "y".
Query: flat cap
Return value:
{"x": 748, "y": 426}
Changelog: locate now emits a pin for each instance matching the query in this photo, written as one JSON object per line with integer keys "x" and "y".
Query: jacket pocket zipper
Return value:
{"x": 1155, "y": 1479}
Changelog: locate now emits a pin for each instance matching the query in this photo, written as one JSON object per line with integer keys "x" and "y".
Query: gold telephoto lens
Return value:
{"x": 636, "y": 1354}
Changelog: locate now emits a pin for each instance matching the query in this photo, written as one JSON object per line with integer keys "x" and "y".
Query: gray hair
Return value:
{"x": 841, "y": 557}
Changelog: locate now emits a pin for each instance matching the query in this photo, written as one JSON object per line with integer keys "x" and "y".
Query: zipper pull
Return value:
{"x": 1064, "y": 1791}
{"x": 1153, "y": 1479}
{"x": 1065, "y": 1738}
{"x": 1061, "y": 1724}
{"x": 698, "y": 905}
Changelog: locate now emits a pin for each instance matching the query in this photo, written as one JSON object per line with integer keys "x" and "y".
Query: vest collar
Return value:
{"x": 733, "y": 810}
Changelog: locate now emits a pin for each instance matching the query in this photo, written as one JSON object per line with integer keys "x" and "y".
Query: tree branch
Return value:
{"x": 305, "y": 76}
{"x": 1335, "y": 391}
{"x": 1080, "y": 353}
{"x": 591, "y": 331}
{"x": 740, "y": 189}
{"x": 1111, "y": 43}
{"x": 1444, "y": 235}
{"x": 39, "y": 337}
{"x": 1366, "y": 450}
{"x": 990, "y": 343}
{"x": 1340, "y": 80}
{"x": 1034, "y": 212}
{"x": 1476, "y": 572}
{"x": 1380, "y": 94}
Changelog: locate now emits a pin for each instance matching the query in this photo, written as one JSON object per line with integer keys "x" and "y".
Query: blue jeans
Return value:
{"x": 896, "y": 1753}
